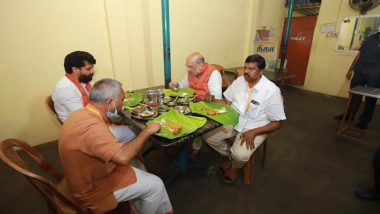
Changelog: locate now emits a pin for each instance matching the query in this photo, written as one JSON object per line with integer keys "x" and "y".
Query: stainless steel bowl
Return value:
{"x": 182, "y": 109}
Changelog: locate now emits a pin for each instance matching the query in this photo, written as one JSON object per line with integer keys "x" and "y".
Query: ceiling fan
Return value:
{"x": 363, "y": 5}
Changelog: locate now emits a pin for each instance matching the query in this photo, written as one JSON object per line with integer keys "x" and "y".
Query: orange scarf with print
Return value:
{"x": 85, "y": 97}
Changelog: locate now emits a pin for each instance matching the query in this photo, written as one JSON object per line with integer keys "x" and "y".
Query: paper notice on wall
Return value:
{"x": 328, "y": 28}
{"x": 267, "y": 49}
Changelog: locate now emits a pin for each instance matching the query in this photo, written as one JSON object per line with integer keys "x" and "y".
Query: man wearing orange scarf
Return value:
{"x": 205, "y": 80}
{"x": 71, "y": 92}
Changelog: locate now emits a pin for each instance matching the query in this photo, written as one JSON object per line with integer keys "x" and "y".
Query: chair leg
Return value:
{"x": 248, "y": 170}
{"x": 264, "y": 152}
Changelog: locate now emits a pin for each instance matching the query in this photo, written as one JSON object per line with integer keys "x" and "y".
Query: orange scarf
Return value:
{"x": 85, "y": 97}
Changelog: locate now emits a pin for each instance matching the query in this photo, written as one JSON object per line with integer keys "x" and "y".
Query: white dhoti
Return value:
{"x": 147, "y": 195}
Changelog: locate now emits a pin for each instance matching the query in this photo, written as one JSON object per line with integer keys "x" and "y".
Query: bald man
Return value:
{"x": 203, "y": 78}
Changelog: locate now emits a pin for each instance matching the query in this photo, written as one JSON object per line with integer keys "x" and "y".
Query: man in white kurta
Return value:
{"x": 71, "y": 92}
{"x": 259, "y": 104}
{"x": 205, "y": 80}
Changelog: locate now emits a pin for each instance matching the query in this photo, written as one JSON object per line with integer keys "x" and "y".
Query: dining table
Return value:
{"x": 183, "y": 163}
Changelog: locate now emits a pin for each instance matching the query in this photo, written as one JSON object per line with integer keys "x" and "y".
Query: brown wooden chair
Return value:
{"x": 52, "y": 188}
{"x": 248, "y": 167}
{"x": 225, "y": 81}
{"x": 49, "y": 103}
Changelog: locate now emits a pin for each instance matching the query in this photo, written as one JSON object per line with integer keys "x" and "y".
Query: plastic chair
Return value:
{"x": 49, "y": 103}
{"x": 53, "y": 189}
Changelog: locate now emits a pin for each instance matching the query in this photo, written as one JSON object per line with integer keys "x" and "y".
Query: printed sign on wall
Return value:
{"x": 267, "y": 49}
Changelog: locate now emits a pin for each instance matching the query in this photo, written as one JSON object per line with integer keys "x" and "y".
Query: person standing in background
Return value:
{"x": 365, "y": 70}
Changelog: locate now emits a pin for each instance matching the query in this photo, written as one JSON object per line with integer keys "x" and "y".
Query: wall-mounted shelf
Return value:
{"x": 307, "y": 10}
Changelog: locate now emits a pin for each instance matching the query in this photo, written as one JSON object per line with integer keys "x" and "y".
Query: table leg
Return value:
{"x": 343, "y": 125}
{"x": 183, "y": 164}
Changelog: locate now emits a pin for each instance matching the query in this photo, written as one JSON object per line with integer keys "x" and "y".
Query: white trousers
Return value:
{"x": 239, "y": 154}
{"x": 147, "y": 196}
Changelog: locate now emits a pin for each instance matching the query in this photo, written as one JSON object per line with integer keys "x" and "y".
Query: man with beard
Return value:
{"x": 72, "y": 91}
{"x": 261, "y": 111}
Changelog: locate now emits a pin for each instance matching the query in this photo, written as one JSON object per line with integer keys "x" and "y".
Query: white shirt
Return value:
{"x": 214, "y": 84}
{"x": 67, "y": 98}
{"x": 266, "y": 104}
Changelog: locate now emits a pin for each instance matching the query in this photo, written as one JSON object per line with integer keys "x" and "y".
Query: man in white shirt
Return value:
{"x": 259, "y": 104}
{"x": 205, "y": 80}
{"x": 71, "y": 92}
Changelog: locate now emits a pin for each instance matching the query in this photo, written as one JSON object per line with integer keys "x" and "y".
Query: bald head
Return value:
{"x": 194, "y": 63}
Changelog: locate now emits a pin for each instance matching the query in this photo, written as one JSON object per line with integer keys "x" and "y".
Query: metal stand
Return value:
{"x": 356, "y": 134}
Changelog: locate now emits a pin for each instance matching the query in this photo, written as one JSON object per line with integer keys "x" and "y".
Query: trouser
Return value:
{"x": 370, "y": 102}
{"x": 147, "y": 195}
{"x": 376, "y": 169}
{"x": 239, "y": 154}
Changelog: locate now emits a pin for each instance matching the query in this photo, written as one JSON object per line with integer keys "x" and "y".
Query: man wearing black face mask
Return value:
{"x": 72, "y": 91}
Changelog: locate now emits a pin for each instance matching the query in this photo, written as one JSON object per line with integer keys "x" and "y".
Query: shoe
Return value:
{"x": 368, "y": 194}
{"x": 361, "y": 126}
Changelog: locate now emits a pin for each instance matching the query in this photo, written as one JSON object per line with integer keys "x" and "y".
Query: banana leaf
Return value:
{"x": 133, "y": 98}
{"x": 230, "y": 117}
{"x": 189, "y": 123}
{"x": 182, "y": 92}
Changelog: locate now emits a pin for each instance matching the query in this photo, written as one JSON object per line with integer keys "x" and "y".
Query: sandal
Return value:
{"x": 225, "y": 165}
{"x": 230, "y": 176}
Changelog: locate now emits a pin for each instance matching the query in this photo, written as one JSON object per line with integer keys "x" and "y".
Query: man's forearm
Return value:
{"x": 130, "y": 150}
{"x": 354, "y": 62}
{"x": 270, "y": 127}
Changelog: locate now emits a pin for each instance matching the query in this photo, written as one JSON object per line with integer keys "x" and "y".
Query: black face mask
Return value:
{"x": 85, "y": 79}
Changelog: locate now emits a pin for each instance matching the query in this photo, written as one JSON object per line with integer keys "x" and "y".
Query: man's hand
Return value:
{"x": 173, "y": 85}
{"x": 349, "y": 75}
{"x": 208, "y": 97}
{"x": 248, "y": 137}
{"x": 153, "y": 127}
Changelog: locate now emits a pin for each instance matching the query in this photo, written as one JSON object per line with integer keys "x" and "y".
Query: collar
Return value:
{"x": 95, "y": 110}
{"x": 258, "y": 85}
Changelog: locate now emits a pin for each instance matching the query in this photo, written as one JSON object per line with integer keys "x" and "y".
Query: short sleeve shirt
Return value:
{"x": 266, "y": 104}
{"x": 369, "y": 59}
{"x": 86, "y": 147}
{"x": 67, "y": 98}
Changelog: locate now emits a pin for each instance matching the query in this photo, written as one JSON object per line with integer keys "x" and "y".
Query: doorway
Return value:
{"x": 299, "y": 46}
